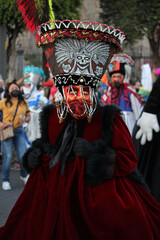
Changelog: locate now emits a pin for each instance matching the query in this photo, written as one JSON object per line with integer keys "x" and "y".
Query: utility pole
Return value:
{"x": 3, "y": 52}
{"x": 20, "y": 58}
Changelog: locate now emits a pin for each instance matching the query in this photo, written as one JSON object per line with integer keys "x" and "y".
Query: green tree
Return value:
{"x": 137, "y": 18}
{"x": 67, "y": 9}
{"x": 12, "y": 19}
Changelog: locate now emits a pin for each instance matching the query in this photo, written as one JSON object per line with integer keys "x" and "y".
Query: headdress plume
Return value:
{"x": 36, "y": 12}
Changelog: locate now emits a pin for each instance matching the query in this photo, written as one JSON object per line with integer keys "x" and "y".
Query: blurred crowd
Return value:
{"x": 21, "y": 102}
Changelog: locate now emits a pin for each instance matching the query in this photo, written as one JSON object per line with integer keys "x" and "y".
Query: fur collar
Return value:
{"x": 108, "y": 113}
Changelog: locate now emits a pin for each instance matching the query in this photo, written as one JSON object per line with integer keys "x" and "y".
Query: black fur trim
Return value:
{"x": 100, "y": 166}
{"x": 42, "y": 143}
{"x": 107, "y": 119}
{"x": 44, "y": 118}
{"x": 25, "y": 160}
{"x": 37, "y": 144}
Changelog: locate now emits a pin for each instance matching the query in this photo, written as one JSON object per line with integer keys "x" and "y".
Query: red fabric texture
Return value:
{"x": 59, "y": 207}
{"x": 49, "y": 83}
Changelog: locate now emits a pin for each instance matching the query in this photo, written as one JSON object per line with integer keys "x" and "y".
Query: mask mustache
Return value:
{"x": 81, "y": 107}
{"x": 73, "y": 109}
{"x": 73, "y": 102}
{"x": 76, "y": 105}
{"x": 78, "y": 102}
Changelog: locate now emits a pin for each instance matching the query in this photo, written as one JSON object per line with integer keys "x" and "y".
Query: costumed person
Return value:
{"x": 120, "y": 92}
{"x": 33, "y": 76}
{"x": 79, "y": 186}
{"x": 146, "y": 140}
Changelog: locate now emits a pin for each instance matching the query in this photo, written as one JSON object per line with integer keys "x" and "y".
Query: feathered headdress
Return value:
{"x": 36, "y": 12}
{"x": 77, "y": 52}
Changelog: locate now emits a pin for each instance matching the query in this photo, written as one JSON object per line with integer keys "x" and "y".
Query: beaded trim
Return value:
{"x": 51, "y": 30}
{"x": 72, "y": 79}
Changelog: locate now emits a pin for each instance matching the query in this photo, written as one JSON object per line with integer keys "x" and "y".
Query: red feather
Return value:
{"x": 30, "y": 14}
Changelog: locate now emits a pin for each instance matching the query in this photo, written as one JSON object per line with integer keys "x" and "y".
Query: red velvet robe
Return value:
{"x": 59, "y": 207}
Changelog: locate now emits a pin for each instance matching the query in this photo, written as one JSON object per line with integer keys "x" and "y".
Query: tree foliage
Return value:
{"x": 137, "y": 18}
{"x": 66, "y": 9}
{"x": 12, "y": 19}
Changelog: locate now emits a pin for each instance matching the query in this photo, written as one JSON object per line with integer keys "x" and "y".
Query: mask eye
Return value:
{"x": 85, "y": 91}
{"x": 79, "y": 57}
{"x": 73, "y": 91}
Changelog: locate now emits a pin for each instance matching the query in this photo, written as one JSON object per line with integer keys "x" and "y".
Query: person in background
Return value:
{"x": 21, "y": 87}
{"x": 36, "y": 101}
{"x": 1, "y": 96}
{"x": 137, "y": 86}
{"x": 120, "y": 92}
{"x": 29, "y": 89}
{"x": 53, "y": 94}
{"x": 1, "y": 116}
{"x": 1, "y": 93}
{"x": 146, "y": 135}
{"x": 40, "y": 89}
{"x": 8, "y": 107}
{"x": 2, "y": 88}
{"x": 101, "y": 89}
{"x": 48, "y": 85}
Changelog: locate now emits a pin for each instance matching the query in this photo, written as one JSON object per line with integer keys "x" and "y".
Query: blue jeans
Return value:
{"x": 7, "y": 148}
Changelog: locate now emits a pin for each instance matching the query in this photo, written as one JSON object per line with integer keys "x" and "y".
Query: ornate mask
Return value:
{"x": 78, "y": 100}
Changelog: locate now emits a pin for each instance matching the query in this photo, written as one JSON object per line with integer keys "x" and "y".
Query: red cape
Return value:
{"x": 59, "y": 207}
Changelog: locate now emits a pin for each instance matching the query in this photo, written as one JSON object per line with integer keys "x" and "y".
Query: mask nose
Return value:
{"x": 79, "y": 95}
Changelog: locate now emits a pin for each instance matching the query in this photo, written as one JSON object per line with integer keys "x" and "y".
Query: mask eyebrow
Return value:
{"x": 86, "y": 89}
{"x": 75, "y": 89}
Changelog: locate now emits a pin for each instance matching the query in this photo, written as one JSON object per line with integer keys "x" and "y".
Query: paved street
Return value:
{"x": 8, "y": 198}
